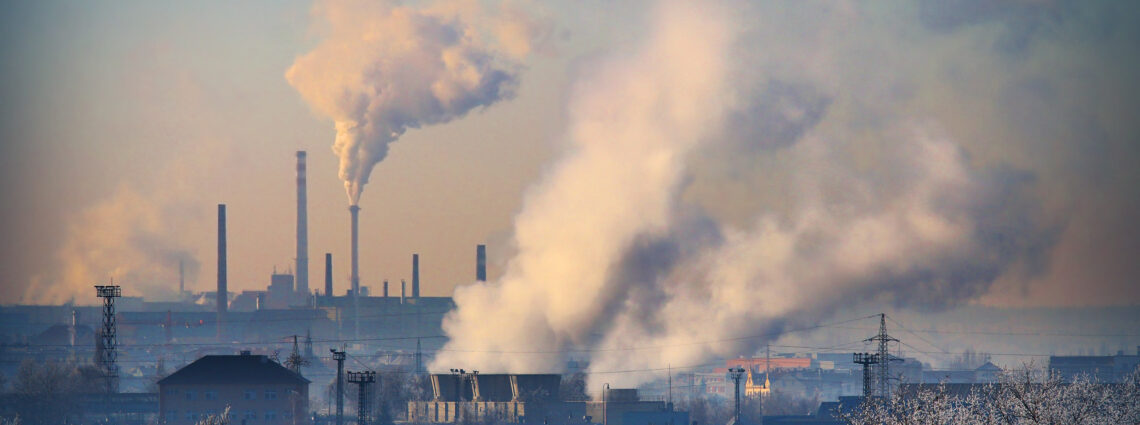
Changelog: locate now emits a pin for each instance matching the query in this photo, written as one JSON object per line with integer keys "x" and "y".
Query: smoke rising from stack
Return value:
{"x": 384, "y": 68}
{"x": 616, "y": 253}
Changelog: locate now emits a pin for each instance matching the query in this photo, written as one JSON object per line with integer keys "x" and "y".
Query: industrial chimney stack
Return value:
{"x": 416, "y": 276}
{"x": 354, "y": 275}
{"x": 354, "y": 254}
{"x": 302, "y": 227}
{"x": 481, "y": 263}
{"x": 328, "y": 275}
{"x": 222, "y": 296}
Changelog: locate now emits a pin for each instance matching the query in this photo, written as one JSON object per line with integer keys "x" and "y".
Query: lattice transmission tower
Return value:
{"x": 107, "y": 336}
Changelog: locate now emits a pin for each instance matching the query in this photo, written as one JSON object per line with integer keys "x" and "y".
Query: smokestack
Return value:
{"x": 385, "y": 288}
{"x": 328, "y": 275}
{"x": 403, "y": 290}
{"x": 481, "y": 263}
{"x": 354, "y": 275}
{"x": 354, "y": 254}
{"x": 181, "y": 280}
{"x": 221, "y": 295}
{"x": 74, "y": 326}
{"x": 302, "y": 227}
{"x": 415, "y": 275}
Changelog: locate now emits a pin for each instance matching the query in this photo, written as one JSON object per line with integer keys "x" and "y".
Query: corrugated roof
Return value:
{"x": 230, "y": 369}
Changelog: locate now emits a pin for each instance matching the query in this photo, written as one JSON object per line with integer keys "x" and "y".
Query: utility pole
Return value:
{"x": 362, "y": 380}
{"x": 339, "y": 357}
{"x": 736, "y": 373}
{"x": 605, "y": 403}
{"x": 108, "y": 339}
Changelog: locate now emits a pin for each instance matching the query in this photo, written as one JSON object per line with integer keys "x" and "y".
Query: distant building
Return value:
{"x": 1101, "y": 368}
{"x": 490, "y": 397}
{"x": 257, "y": 390}
{"x": 757, "y": 387}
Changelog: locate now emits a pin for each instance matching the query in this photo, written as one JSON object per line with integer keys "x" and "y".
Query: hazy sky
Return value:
{"x": 123, "y": 124}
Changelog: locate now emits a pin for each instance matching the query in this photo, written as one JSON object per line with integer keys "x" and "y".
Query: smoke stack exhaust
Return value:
{"x": 328, "y": 275}
{"x": 481, "y": 263}
{"x": 302, "y": 227}
{"x": 415, "y": 275}
{"x": 385, "y": 288}
{"x": 403, "y": 290}
{"x": 181, "y": 280}
{"x": 222, "y": 296}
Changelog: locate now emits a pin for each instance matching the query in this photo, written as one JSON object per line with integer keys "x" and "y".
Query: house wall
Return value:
{"x": 249, "y": 404}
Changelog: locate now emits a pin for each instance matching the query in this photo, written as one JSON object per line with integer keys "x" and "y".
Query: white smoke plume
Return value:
{"x": 384, "y": 67}
{"x": 634, "y": 125}
{"x": 620, "y": 257}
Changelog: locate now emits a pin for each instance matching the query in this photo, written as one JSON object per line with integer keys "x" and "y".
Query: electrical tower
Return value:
{"x": 108, "y": 340}
{"x": 362, "y": 380}
{"x": 295, "y": 361}
{"x": 419, "y": 358}
{"x": 879, "y": 362}
{"x": 339, "y": 357}
{"x": 736, "y": 375}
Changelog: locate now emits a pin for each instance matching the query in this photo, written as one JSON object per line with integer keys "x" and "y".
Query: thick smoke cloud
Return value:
{"x": 634, "y": 124}
{"x": 384, "y": 68}
{"x": 908, "y": 155}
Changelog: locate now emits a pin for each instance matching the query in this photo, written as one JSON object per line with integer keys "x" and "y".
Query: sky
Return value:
{"x": 769, "y": 160}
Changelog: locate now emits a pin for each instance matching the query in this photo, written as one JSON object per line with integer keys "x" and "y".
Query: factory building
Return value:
{"x": 531, "y": 399}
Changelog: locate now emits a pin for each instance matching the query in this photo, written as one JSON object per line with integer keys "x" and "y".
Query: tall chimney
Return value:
{"x": 354, "y": 275}
{"x": 403, "y": 290}
{"x": 415, "y": 275}
{"x": 385, "y": 288}
{"x": 328, "y": 275}
{"x": 302, "y": 227}
{"x": 481, "y": 263}
{"x": 354, "y": 254}
{"x": 181, "y": 280}
{"x": 222, "y": 296}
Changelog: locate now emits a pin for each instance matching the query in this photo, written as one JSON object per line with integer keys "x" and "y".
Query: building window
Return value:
{"x": 190, "y": 415}
{"x": 189, "y": 395}
{"x": 210, "y": 395}
{"x": 172, "y": 391}
{"x": 271, "y": 394}
{"x": 250, "y": 415}
{"x": 270, "y": 415}
{"x": 251, "y": 394}
{"x": 171, "y": 415}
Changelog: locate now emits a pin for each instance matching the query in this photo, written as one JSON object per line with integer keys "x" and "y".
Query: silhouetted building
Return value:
{"x": 257, "y": 389}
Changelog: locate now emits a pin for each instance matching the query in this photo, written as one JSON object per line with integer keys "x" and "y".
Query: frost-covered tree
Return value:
{"x": 1023, "y": 396}
{"x": 221, "y": 418}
